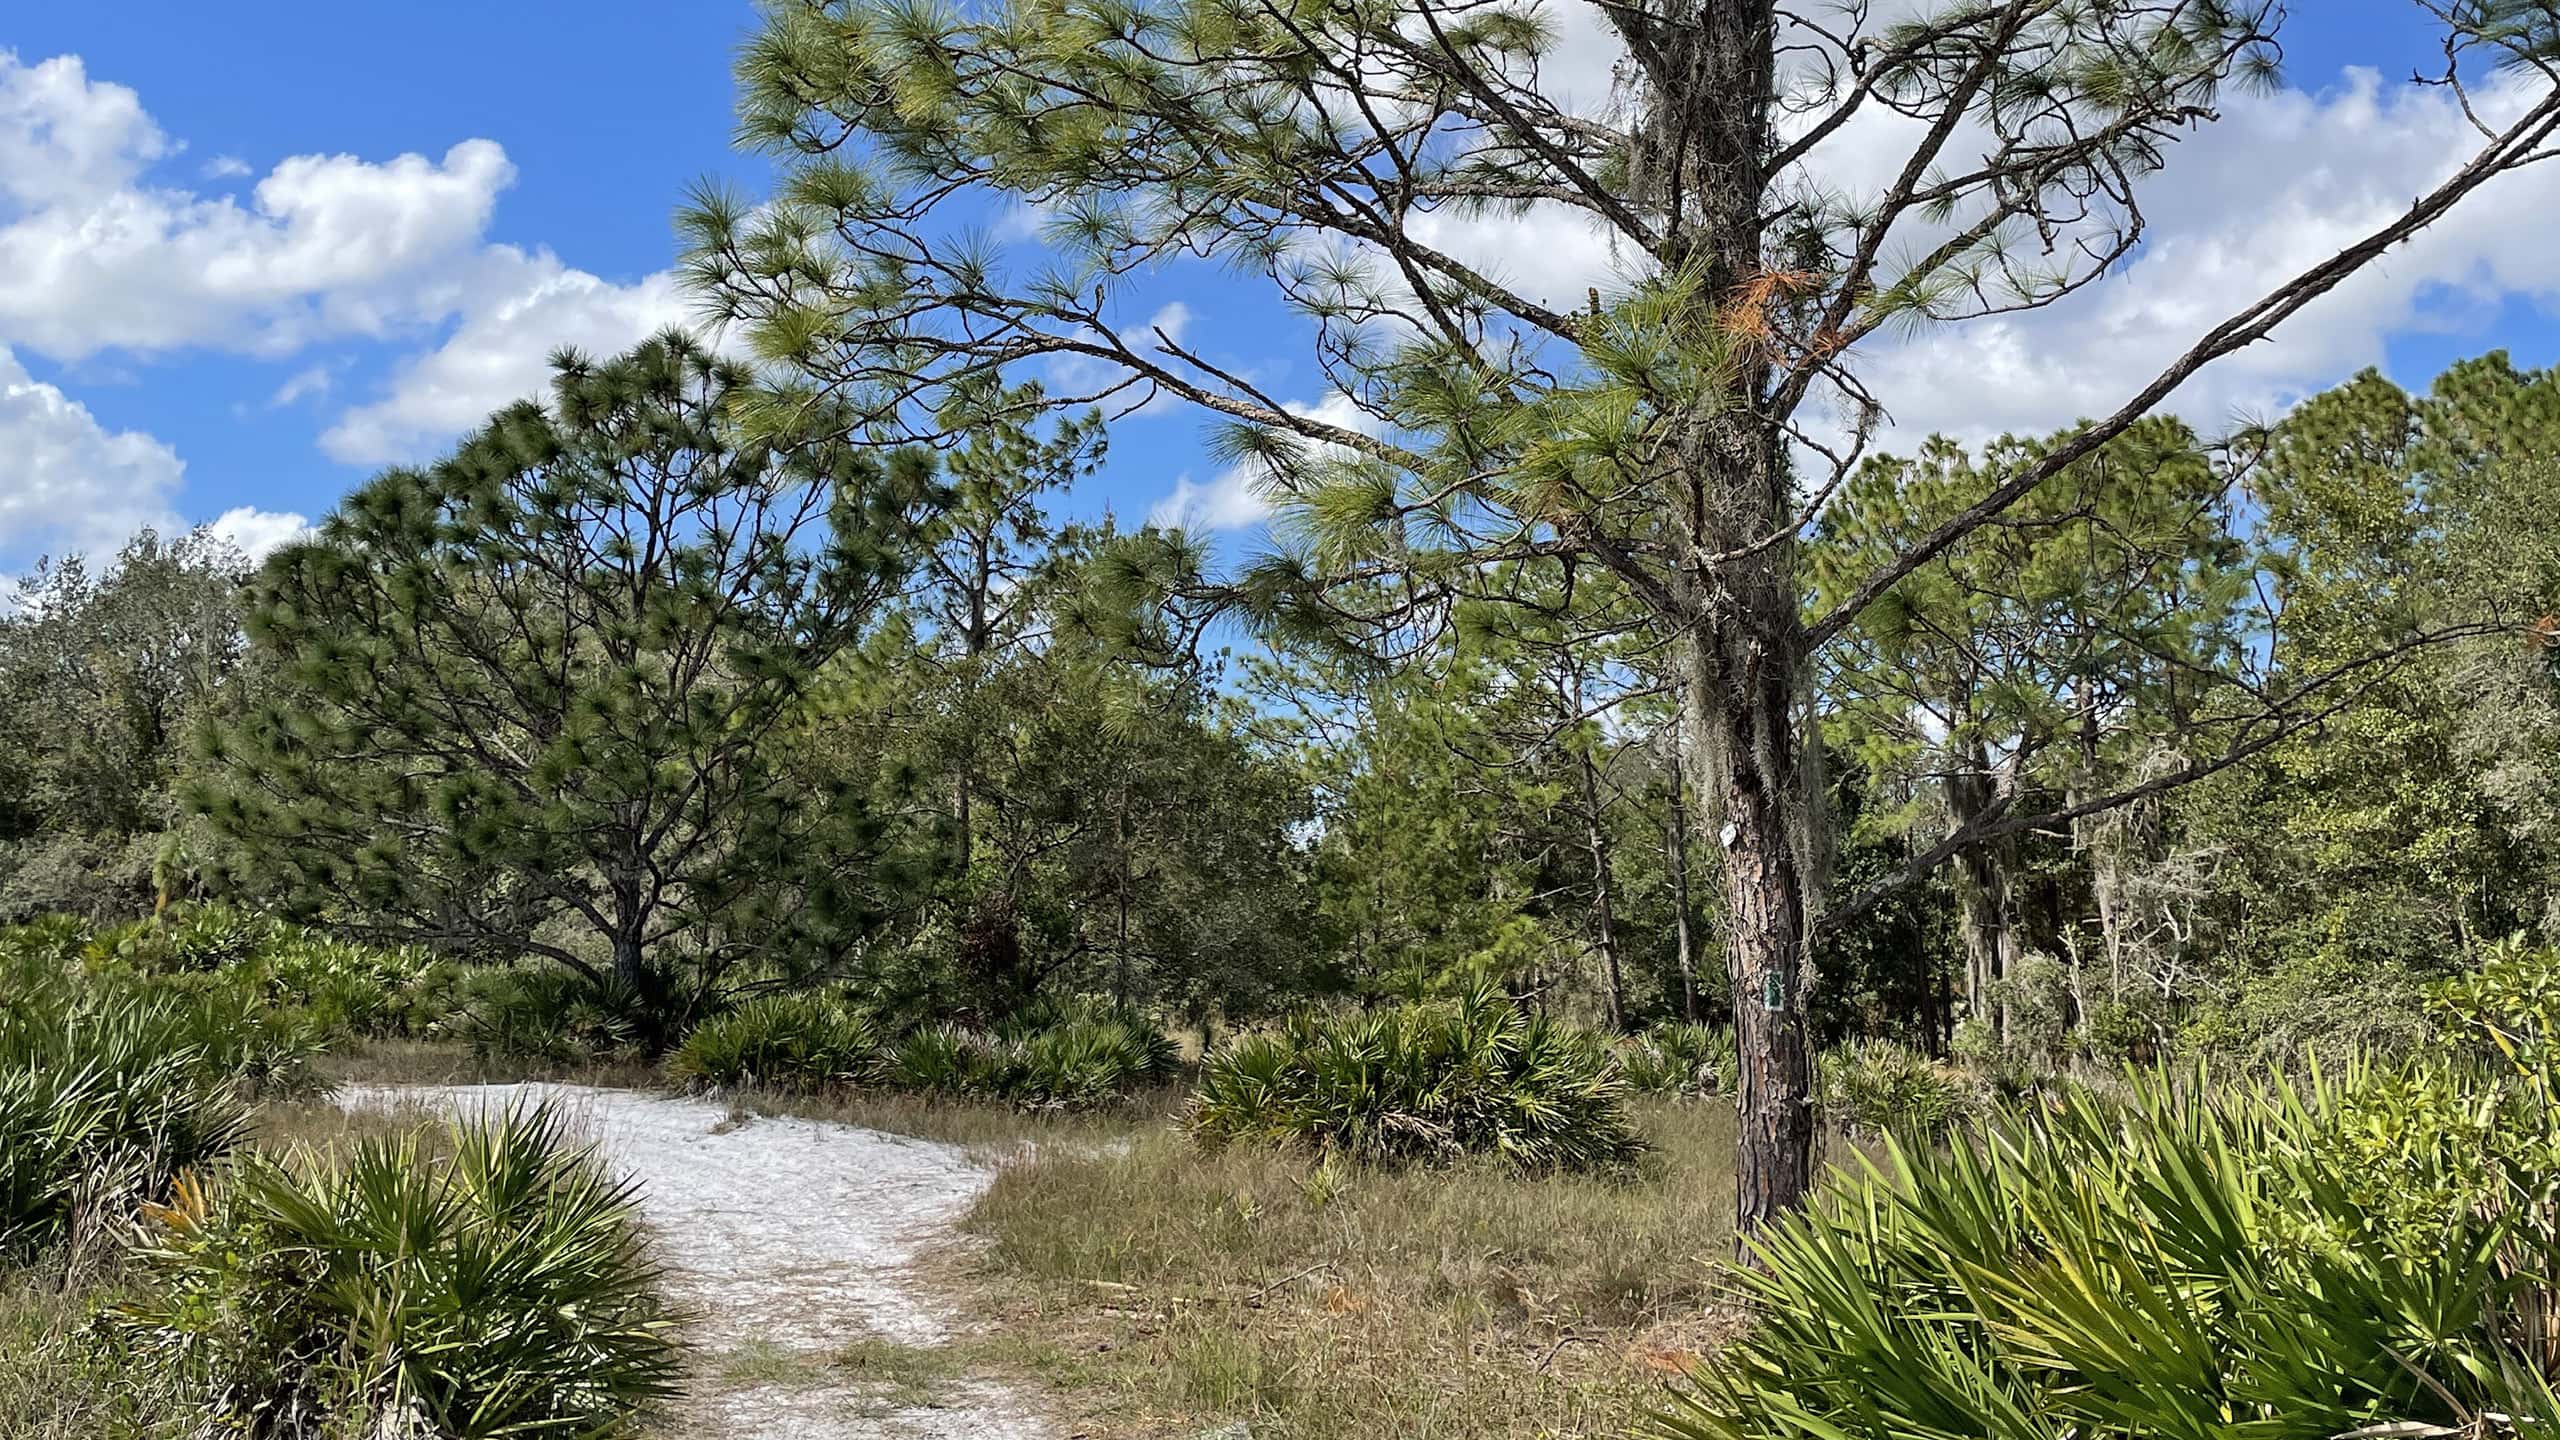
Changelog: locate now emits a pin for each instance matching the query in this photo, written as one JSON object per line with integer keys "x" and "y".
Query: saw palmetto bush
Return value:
{"x": 1055, "y": 1060}
{"x": 544, "y": 1014}
{"x": 783, "y": 1042}
{"x": 105, "y": 1095}
{"x": 492, "y": 1283}
{"x": 1679, "y": 1057}
{"x": 1074, "y": 1061}
{"x": 1424, "y": 1082}
{"x": 286, "y": 977}
{"x": 1084, "y": 1061}
{"x": 2369, "y": 1250}
{"x": 1878, "y": 1087}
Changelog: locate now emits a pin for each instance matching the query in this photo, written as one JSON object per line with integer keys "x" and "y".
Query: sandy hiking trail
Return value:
{"x": 795, "y": 1244}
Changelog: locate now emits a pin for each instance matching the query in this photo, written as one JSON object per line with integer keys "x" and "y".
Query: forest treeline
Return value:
{"x": 695, "y": 709}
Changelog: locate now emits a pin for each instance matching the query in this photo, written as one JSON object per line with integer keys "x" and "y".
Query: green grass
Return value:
{"x": 906, "y": 1377}
{"x": 55, "y": 1384}
{"x": 1158, "y": 1289}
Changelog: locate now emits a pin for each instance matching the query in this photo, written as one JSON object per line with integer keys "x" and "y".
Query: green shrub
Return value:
{"x": 104, "y": 1099}
{"x": 1423, "y": 1082}
{"x": 1878, "y": 1087}
{"x": 201, "y": 938}
{"x": 368, "y": 991}
{"x": 497, "y": 1285}
{"x": 1079, "y": 1063}
{"x": 1679, "y": 1058}
{"x": 2122, "y": 1028}
{"x": 2371, "y": 1250}
{"x": 1060, "y": 1059}
{"x": 542, "y": 1013}
{"x": 786, "y": 1042}
{"x": 948, "y": 1060}
{"x": 298, "y": 979}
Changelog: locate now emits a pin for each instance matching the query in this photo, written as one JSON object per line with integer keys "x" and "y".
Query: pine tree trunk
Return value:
{"x": 1986, "y": 907}
{"x": 1755, "y": 749}
{"x": 1735, "y": 598}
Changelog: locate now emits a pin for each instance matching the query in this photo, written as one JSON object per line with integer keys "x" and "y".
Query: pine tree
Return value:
{"x": 1673, "y": 434}
{"x": 529, "y": 689}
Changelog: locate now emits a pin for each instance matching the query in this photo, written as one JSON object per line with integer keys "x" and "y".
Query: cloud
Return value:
{"x": 67, "y": 482}
{"x": 1236, "y": 498}
{"x": 305, "y": 384}
{"x": 258, "y": 533}
{"x": 70, "y": 485}
{"x": 95, "y": 257}
{"x": 2282, "y": 182}
{"x": 1228, "y": 502}
{"x": 1169, "y": 322}
{"x": 517, "y": 309}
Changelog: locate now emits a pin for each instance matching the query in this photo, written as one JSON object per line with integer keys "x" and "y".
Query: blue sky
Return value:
{"x": 303, "y": 277}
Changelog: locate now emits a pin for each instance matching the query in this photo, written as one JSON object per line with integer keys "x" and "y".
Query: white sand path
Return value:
{"x": 787, "y": 1240}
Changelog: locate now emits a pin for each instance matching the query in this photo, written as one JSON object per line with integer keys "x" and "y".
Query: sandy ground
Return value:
{"x": 788, "y": 1240}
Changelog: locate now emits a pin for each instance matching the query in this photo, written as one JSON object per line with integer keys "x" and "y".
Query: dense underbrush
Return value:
{"x": 817, "y": 1041}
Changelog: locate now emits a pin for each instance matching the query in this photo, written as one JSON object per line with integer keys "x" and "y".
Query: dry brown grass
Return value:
{"x": 996, "y": 1132}
{"x": 430, "y": 1062}
{"x": 1159, "y": 1290}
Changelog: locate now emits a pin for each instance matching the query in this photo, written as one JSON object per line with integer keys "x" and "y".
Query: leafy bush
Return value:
{"x": 1679, "y": 1058}
{"x": 299, "y": 979}
{"x": 1074, "y": 1062}
{"x": 497, "y": 1285}
{"x": 2373, "y": 1250}
{"x": 1423, "y": 1082}
{"x": 1878, "y": 1087}
{"x": 2123, "y": 1028}
{"x": 787, "y": 1042}
{"x": 946, "y": 1059}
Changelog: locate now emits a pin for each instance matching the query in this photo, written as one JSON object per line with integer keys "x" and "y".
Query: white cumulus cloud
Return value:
{"x": 94, "y": 256}
{"x": 67, "y": 482}
{"x": 258, "y": 533}
{"x": 519, "y": 308}
{"x": 1228, "y": 501}
{"x": 100, "y": 256}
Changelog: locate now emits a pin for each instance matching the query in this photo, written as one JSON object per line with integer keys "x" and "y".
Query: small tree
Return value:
{"x": 104, "y": 672}
{"x": 530, "y": 687}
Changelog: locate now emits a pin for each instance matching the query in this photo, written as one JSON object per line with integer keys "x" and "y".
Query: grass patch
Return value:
{"x": 995, "y": 1131}
{"x": 908, "y": 1377}
{"x": 445, "y": 1062}
{"x": 55, "y": 1382}
{"x": 761, "y": 1362}
{"x": 1159, "y": 1289}
{"x": 890, "y": 1374}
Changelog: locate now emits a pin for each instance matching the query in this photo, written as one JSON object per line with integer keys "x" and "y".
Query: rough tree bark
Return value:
{"x": 1737, "y": 597}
